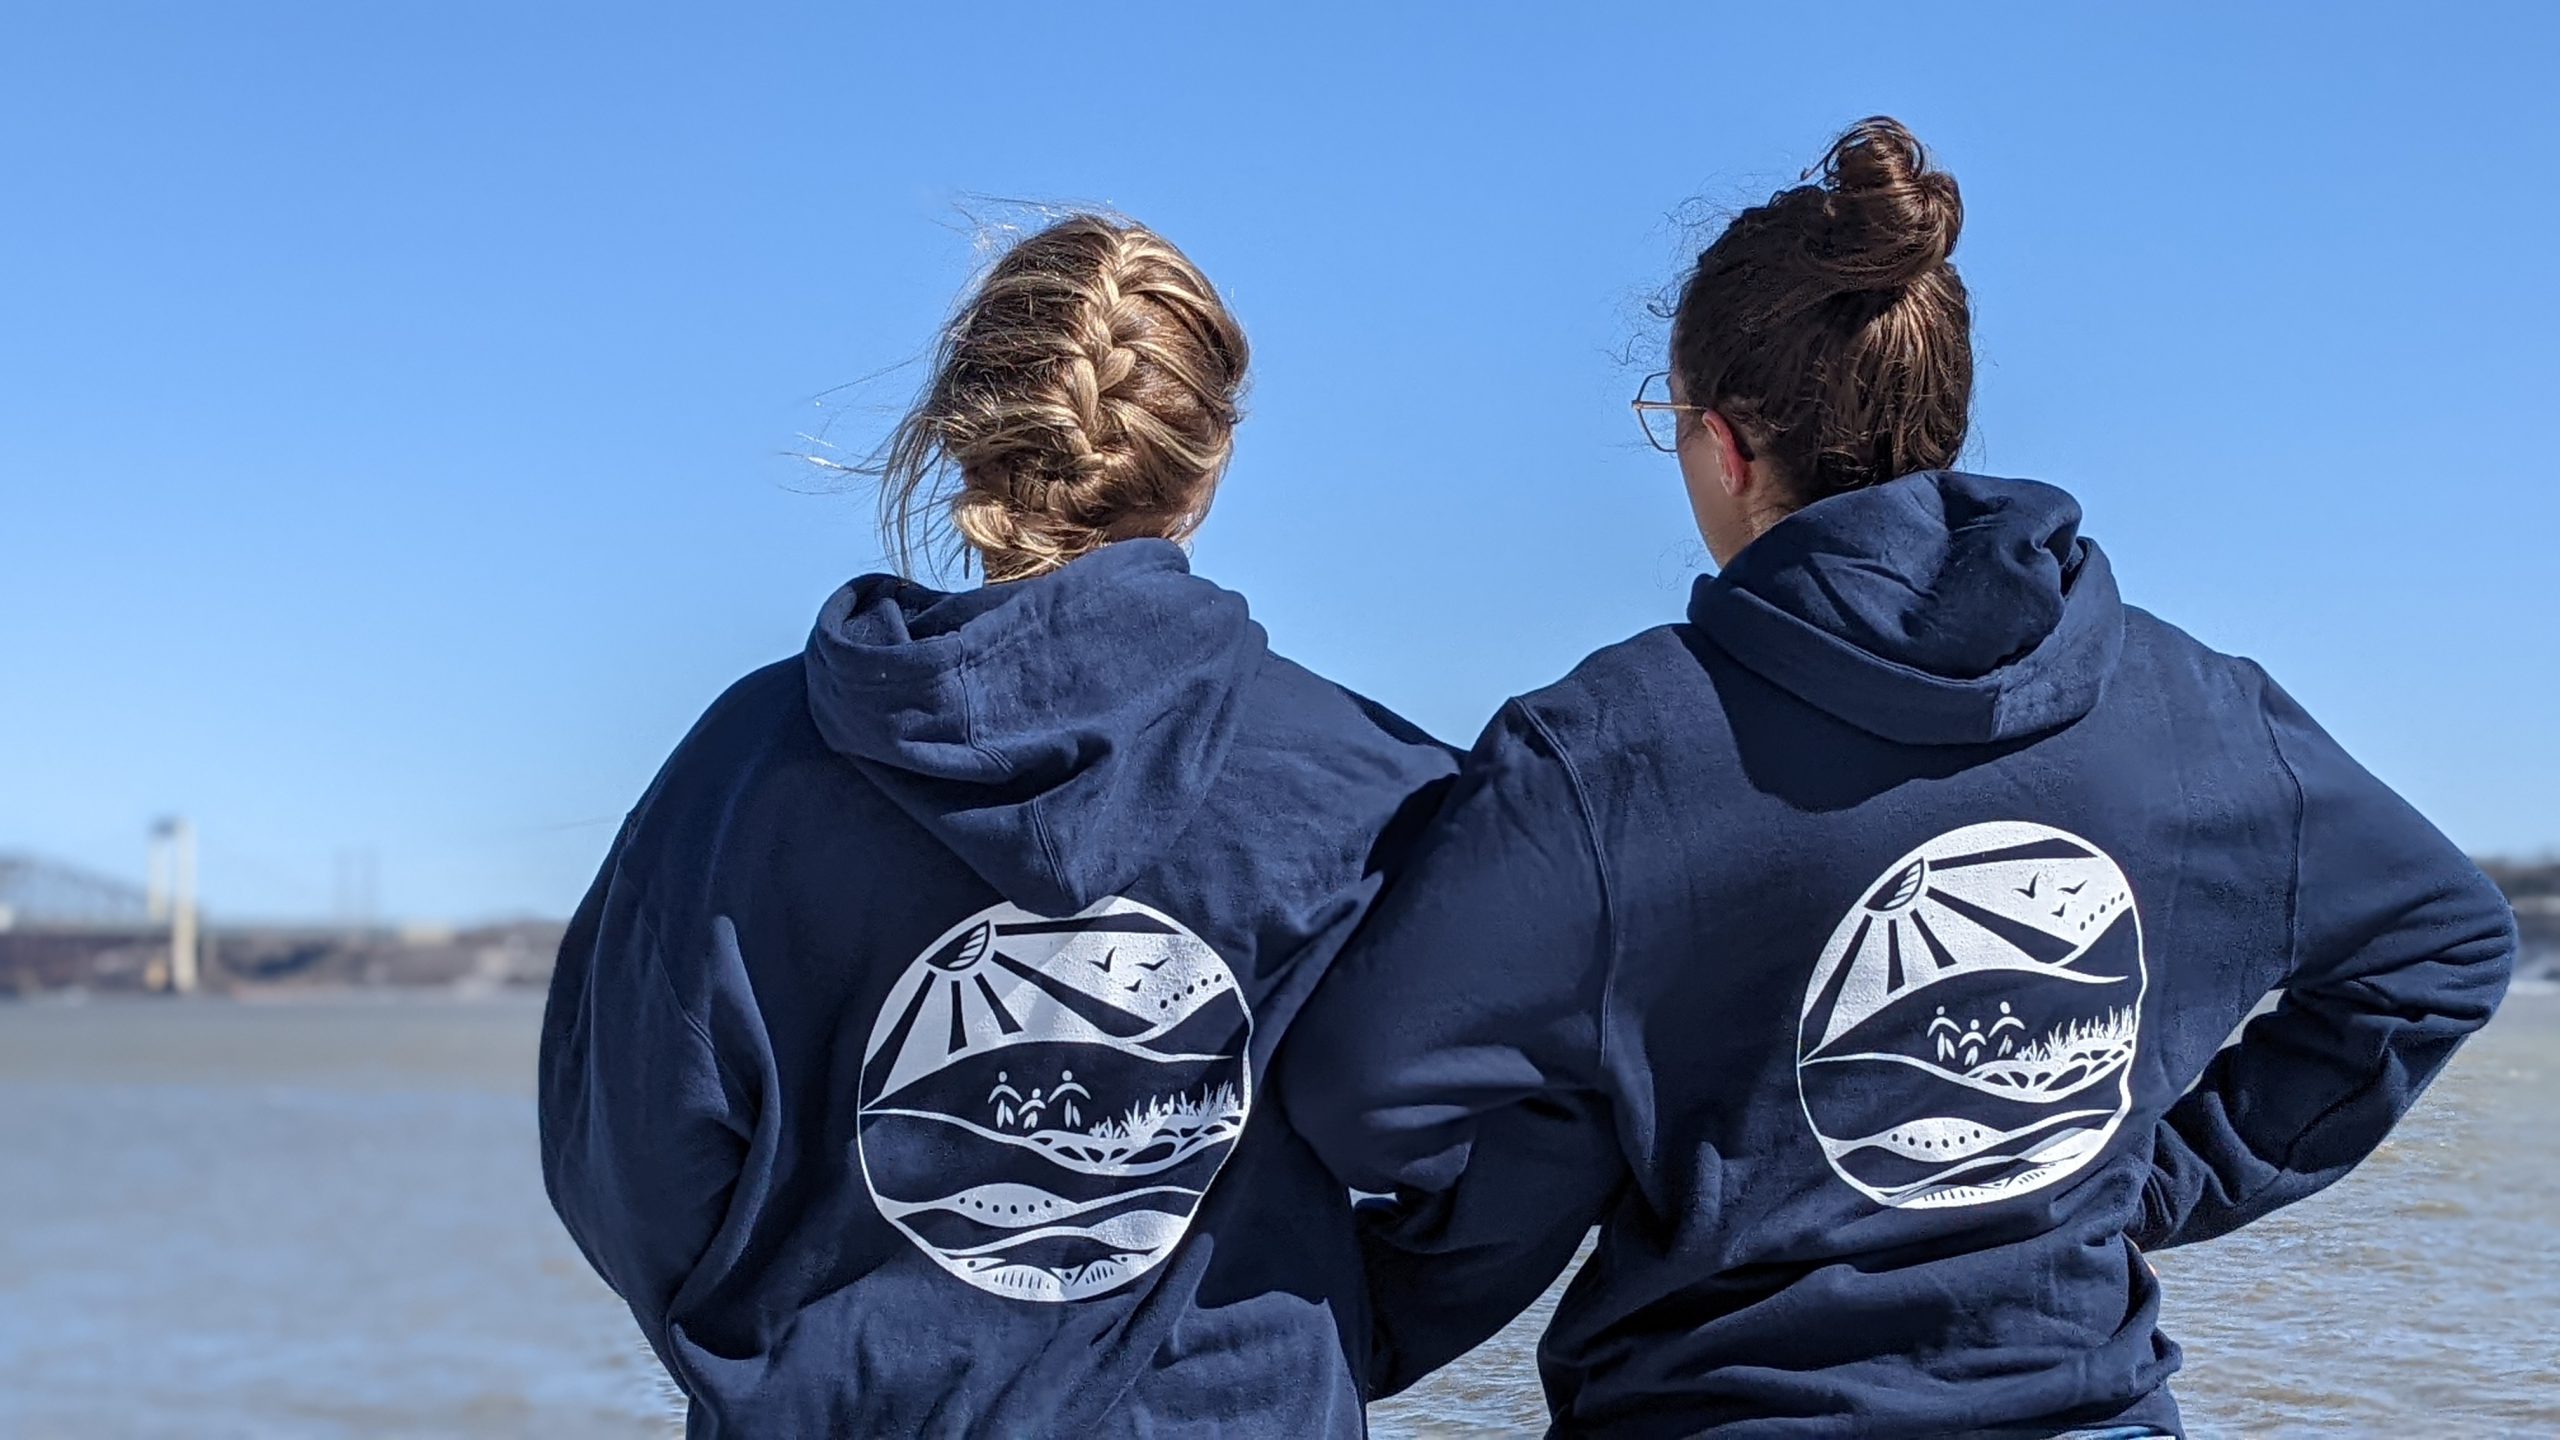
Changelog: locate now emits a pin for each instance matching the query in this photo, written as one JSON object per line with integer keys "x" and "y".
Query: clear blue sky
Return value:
{"x": 394, "y": 399}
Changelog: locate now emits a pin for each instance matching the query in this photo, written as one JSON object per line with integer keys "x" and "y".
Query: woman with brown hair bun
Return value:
{"x": 1857, "y": 953}
{"x": 903, "y": 1069}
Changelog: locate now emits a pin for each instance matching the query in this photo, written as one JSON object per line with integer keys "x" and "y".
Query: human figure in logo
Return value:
{"x": 2008, "y": 1027}
{"x": 1004, "y": 1097}
{"x": 1065, "y": 1098}
{"x": 1909, "y": 775}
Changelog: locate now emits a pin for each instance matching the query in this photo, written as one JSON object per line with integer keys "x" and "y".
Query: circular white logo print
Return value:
{"x": 1970, "y": 1029}
{"x": 1043, "y": 1101}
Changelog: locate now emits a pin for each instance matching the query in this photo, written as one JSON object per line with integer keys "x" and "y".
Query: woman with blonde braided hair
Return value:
{"x": 903, "y": 1068}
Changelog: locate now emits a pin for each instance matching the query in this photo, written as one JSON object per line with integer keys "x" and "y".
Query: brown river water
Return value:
{"x": 322, "y": 1218}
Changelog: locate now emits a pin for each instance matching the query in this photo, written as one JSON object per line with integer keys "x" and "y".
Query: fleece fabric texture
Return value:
{"x": 903, "y": 1069}
{"x": 1858, "y": 956}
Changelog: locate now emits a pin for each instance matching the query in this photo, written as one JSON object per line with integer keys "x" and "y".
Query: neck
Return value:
{"x": 1741, "y": 529}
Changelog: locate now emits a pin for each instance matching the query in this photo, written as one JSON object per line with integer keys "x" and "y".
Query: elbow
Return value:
{"x": 1370, "y": 1147}
{"x": 2483, "y": 961}
{"x": 1324, "y": 1120}
{"x": 1370, "y": 1157}
{"x": 2494, "y": 955}
{"x": 2471, "y": 957}
{"x": 2472, "y": 961}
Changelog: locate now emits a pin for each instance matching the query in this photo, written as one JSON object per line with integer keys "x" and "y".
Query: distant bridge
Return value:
{"x": 38, "y": 892}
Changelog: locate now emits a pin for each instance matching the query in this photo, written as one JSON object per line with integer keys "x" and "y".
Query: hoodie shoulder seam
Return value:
{"x": 2292, "y": 901}
{"x": 1600, "y": 872}
{"x": 2301, "y": 818}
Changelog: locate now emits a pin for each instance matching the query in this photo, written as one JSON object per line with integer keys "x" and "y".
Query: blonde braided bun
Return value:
{"x": 1085, "y": 394}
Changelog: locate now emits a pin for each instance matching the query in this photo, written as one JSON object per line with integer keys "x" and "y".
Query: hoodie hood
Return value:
{"x": 1056, "y": 733}
{"x": 1937, "y": 609}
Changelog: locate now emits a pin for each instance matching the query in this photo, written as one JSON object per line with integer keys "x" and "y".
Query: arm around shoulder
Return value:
{"x": 1453, "y": 1057}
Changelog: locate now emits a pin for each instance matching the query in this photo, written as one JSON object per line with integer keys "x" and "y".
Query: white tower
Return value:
{"x": 177, "y": 837}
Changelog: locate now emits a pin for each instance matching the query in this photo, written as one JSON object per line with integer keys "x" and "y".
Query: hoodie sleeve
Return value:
{"x": 642, "y": 1141}
{"x": 1452, "y": 1060}
{"x": 2401, "y": 948}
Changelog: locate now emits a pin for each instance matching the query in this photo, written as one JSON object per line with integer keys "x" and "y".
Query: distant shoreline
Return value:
{"x": 245, "y": 961}
{"x": 279, "y": 997}
{"x": 253, "y": 962}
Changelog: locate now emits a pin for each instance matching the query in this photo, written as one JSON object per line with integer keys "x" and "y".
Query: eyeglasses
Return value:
{"x": 1660, "y": 415}
{"x": 1657, "y": 413}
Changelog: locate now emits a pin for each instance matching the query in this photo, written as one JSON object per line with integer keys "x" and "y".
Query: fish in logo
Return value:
{"x": 1969, "y": 1031}
{"x": 1043, "y": 1101}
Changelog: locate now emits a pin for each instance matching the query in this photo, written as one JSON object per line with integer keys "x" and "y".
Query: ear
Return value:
{"x": 1732, "y": 466}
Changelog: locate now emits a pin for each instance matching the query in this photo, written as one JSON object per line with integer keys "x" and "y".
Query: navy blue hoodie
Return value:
{"x": 1858, "y": 957}
{"x": 891, "y": 1058}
